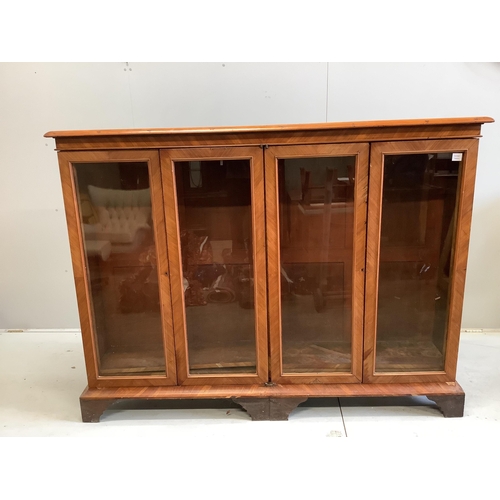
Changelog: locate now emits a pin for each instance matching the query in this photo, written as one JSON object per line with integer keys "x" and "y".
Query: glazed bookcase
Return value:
{"x": 272, "y": 264}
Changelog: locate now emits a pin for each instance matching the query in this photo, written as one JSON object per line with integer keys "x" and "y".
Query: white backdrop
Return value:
{"x": 36, "y": 281}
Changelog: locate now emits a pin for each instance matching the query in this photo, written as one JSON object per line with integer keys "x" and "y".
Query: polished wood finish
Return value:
{"x": 273, "y": 154}
{"x": 79, "y": 264}
{"x": 267, "y": 138}
{"x": 275, "y": 391}
{"x": 269, "y": 392}
{"x": 319, "y": 133}
{"x": 168, "y": 158}
{"x": 459, "y": 256}
{"x": 266, "y": 128}
{"x": 266, "y": 402}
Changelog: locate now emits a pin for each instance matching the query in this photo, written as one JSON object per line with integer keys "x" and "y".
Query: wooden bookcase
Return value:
{"x": 271, "y": 264}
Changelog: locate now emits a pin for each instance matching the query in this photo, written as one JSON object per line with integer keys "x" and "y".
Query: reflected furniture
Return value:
{"x": 272, "y": 264}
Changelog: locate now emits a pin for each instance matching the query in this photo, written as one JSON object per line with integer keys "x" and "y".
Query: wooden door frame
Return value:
{"x": 272, "y": 155}
{"x": 465, "y": 194}
{"x": 167, "y": 158}
{"x": 84, "y": 297}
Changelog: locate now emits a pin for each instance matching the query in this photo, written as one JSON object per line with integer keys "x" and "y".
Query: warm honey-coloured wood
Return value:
{"x": 270, "y": 393}
{"x": 79, "y": 265}
{"x": 277, "y": 390}
{"x": 451, "y": 405}
{"x": 459, "y": 258}
{"x": 460, "y": 254}
{"x": 315, "y": 133}
{"x": 78, "y": 262}
{"x": 273, "y": 154}
{"x": 266, "y": 402}
{"x": 168, "y": 158}
{"x": 266, "y": 128}
{"x": 268, "y": 138}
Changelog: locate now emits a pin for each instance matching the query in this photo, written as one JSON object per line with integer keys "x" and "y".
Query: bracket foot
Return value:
{"x": 269, "y": 408}
{"x": 93, "y": 409}
{"x": 451, "y": 405}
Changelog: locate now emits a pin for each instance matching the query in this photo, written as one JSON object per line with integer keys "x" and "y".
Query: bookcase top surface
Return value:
{"x": 376, "y": 124}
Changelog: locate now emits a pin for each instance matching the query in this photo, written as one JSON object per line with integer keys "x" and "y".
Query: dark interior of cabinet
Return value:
{"x": 316, "y": 210}
{"x": 115, "y": 211}
{"x": 214, "y": 201}
{"x": 417, "y": 231}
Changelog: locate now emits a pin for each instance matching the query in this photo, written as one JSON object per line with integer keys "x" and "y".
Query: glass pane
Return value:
{"x": 115, "y": 212}
{"x": 418, "y": 221}
{"x": 215, "y": 221}
{"x": 316, "y": 246}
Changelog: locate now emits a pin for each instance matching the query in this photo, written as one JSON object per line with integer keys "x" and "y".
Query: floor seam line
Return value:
{"x": 342, "y": 415}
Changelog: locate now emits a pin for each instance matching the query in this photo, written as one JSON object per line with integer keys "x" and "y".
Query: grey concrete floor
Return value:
{"x": 42, "y": 376}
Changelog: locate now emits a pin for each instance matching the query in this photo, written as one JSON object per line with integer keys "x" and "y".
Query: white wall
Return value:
{"x": 36, "y": 287}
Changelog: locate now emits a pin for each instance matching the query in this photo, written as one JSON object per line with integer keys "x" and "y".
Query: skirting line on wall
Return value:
{"x": 480, "y": 330}
{"x": 77, "y": 330}
{"x": 40, "y": 330}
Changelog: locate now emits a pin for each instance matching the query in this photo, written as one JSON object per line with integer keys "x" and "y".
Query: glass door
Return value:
{"x": 114, "y": 205}
{"x": 420, "y": 205}
{"x": 316, "y": 216}
{"x": 214, "y": 207}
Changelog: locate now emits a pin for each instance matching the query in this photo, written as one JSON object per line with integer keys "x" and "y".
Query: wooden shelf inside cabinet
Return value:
{"x": 329, "y": 264}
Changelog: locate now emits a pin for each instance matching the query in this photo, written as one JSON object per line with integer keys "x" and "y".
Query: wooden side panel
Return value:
{"x": 274, "y": 266}
{"x": 79, "y": 264}
{"x": 168, "y": 157}
{"x": 459, "y": 255}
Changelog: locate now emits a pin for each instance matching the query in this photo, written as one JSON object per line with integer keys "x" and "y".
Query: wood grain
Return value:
{"x": 315, "y": 133}
{"x": 357, "y": 257}
{"x": 84, "y": 298}
{"x": 459, "y": 257}
{"x": 279, "y": 390}
{"x": 268, "y": 138}
{"x": 161, "y": 147}
{"x": 162, "y": 267}
{"x": 265, "y": 128}
{"x": 168, "y": 157}
{"x": 460, "y": 252}
{"x": 79, "y": 266}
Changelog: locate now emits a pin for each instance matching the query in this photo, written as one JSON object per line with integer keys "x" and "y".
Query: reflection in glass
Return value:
{"x": 215, "y": 221}
{"x": 115, "y": 212}
{"x": 417, "y": 230}
{"x": 316, "y": 248}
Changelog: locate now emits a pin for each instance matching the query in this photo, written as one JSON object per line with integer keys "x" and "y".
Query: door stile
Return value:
{"x": 84, "y": 295}
{"x": 357, "y": 268}
{"x": 459, "y": 252}
{"x": 168, "y": 160}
